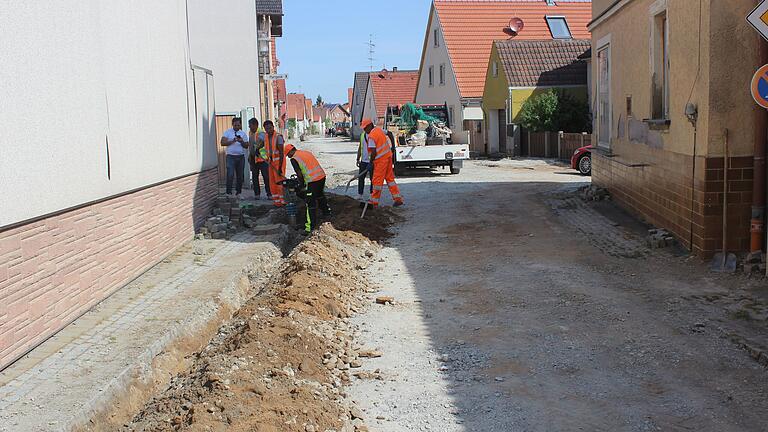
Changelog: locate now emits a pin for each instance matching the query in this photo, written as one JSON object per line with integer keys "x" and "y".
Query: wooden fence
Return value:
{"x": 554, "y": 145}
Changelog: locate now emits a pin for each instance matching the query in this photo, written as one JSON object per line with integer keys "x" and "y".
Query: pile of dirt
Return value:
{"x": 281, "y": 363}
{"x": 375, "y": 225}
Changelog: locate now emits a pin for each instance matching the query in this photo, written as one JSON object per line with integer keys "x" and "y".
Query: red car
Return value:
{"x": 582, "y": 160}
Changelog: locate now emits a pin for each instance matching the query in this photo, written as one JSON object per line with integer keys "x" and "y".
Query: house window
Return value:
{"x": 604, "y": 96}
{"x": 442, "y": 74}
{"x": 431, "y": 76}
{"x": 450, "y": 116}
{"x": 495, "y": 69}
{"x": 558, "y": 27}
{"x": 436, "y": 37}
{"x": 660, "y": 62}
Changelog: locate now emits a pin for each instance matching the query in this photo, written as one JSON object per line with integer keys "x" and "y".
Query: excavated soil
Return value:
{"x": 282, "y": 362}
{"x": 375, "y": 225}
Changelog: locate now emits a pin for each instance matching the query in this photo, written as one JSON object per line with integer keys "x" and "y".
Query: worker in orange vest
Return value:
{"x": 380, "y": 148}
{"x": 274, "y": 143}
{"x": 312, "y": 176}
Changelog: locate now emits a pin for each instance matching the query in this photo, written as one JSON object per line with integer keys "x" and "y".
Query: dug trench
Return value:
{"x": 281, "y": 363}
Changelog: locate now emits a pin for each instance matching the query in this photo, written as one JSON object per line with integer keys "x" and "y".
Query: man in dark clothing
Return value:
{"x": 312, "y": 176}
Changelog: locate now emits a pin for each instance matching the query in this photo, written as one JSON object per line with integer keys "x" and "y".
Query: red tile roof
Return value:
{"x": 392, "y": 88}
{"x": 470, "y": 27}
{"x": 318, "y": 113}
{"x": 296, "y": 106}
{"x": 350, "y": 93}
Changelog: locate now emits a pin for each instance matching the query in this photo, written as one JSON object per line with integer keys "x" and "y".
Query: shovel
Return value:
{"x": 355, "y": 178}
{"x": 724, "y": 262}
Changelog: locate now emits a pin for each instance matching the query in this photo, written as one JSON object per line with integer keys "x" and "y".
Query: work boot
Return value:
{"x": 398, "y": 203}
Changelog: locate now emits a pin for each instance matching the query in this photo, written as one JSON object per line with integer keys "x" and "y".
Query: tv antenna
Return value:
{"x": 371, "y": 51}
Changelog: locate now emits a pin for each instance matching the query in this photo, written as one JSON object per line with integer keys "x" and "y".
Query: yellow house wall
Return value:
{"x": 497, "y": 90}
{"x": 713, "y": 54}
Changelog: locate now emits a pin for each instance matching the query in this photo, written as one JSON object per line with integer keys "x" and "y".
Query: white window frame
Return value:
{"x": 442, "y": 74}
{"x": 603, "y": 141}
{"x": 659, "y": 36}
{"x": 495, "y": 69}
{"x": 431, "y": 75}
{"x": 436, "y": 37}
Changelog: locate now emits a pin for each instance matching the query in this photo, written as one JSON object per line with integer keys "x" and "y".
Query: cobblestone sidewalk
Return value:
{"x": 78, "y": 372}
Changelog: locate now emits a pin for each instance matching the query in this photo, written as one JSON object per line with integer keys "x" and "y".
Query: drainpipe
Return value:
{"x": 759, "y": 180}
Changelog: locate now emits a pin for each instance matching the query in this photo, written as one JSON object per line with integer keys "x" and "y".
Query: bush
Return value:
{"x": 555, "y": 110}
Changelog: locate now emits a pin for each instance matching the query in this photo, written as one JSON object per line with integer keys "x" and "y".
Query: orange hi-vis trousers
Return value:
{"x": 384, "y": 171}
{"x": 278, "y": 194}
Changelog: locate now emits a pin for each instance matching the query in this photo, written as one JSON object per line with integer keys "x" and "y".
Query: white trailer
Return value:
{"x": 446, "y": 155}
{"x": 438, "y": 151}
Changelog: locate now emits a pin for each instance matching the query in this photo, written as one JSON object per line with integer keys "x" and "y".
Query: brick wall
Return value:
{"x": 55, "y": 269}
{"x": 659, "y": 186}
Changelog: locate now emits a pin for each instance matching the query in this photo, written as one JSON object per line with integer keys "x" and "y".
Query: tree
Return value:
{"x": 319, "y": 101}
{"x": 555, "y": 110}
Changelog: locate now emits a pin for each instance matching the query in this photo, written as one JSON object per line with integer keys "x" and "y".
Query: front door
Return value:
{"x": 502, "y": 131}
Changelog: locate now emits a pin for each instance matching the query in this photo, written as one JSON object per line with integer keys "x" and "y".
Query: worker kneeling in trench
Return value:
{"x": 311, "y": 184}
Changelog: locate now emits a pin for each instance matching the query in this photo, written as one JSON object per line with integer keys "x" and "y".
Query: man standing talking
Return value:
{"x": 236, "y": 142}
{"x": 380, "y": 148}
{"x": 274, "y": 142}
{"x": 257, "y": 159}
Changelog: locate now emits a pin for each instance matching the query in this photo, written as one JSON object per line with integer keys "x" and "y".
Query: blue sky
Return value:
{"x": 324, "y": 41}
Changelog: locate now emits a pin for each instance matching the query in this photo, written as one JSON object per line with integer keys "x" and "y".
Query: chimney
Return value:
{"x": 394, "y": 69}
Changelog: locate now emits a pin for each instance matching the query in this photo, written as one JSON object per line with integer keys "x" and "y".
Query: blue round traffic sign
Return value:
{"x": 760, "y": 86}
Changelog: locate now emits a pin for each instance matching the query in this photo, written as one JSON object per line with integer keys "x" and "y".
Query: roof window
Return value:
{"x": 558, "y": 27}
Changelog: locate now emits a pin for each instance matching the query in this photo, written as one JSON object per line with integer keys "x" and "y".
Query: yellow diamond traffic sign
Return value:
{"x": 759, "y": 18}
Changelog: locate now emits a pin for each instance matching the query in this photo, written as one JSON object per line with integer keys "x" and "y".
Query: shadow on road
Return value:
{"x": 539, "y": 331}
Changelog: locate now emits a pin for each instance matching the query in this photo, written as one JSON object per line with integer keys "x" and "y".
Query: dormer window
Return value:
{"x": 558, "y": 27}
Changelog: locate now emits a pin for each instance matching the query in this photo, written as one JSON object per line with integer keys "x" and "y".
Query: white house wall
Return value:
{"x": 439, "y": 94}
{"x": 223, "y": 38}
{"x": 369, "y": 106}
{"x": 95, "y": 102}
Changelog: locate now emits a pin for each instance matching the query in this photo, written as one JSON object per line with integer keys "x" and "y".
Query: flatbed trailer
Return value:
{"x": 438, "y": 151}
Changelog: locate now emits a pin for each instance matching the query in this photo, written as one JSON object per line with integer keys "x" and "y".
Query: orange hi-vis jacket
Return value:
{"x": 383, "y": 145}
{"x": 273, "y": 153}
{"x": 310, "y": 168}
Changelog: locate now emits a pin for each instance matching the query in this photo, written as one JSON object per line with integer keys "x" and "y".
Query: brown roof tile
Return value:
{"x": 543, "y": 63}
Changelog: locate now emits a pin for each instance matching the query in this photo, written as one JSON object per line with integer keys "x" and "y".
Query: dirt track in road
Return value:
{"x": 508, "y": 318}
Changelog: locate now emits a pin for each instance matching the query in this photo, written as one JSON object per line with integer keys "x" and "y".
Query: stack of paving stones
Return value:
{"x": 754, "y": 264}
{"x": 659, "y": 239}
{"x": 223, "y": 221}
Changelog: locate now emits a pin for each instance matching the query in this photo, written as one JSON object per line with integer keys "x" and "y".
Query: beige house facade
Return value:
{"x": 670, "y": 87}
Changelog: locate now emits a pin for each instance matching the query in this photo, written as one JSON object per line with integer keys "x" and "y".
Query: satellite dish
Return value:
{"x": 515, "y": 26}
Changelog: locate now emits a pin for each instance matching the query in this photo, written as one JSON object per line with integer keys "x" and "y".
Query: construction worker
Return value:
{"x": 364, "y": 167}
{"x": 380, "y": 148}
{"x": 312, "y": 176}
{"x": 274, "y": 142}
{"x": 257, "y": 158}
